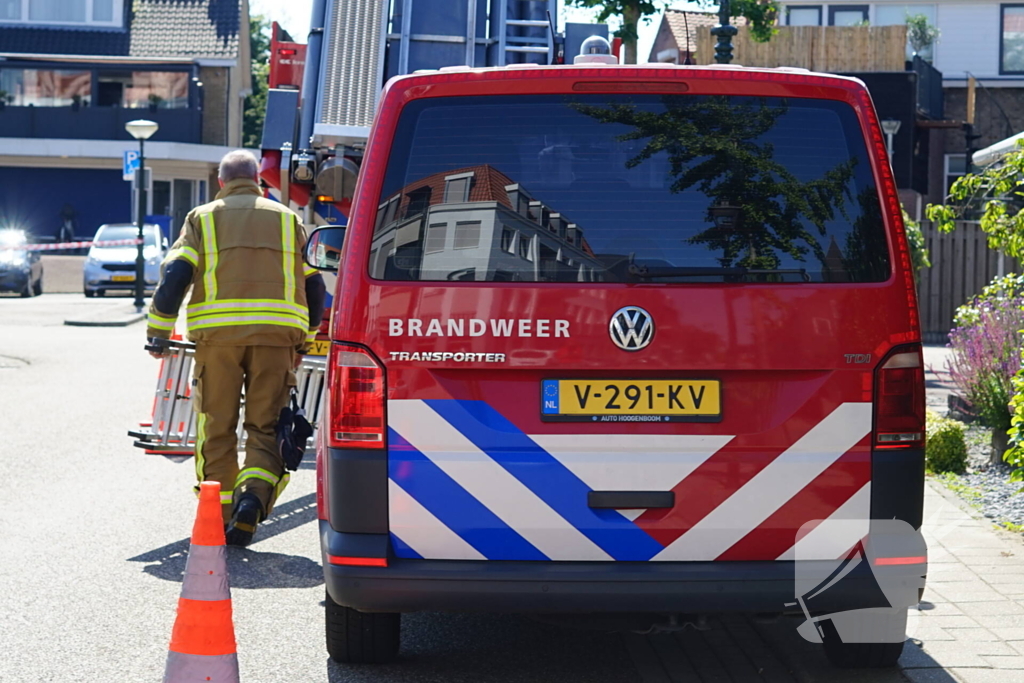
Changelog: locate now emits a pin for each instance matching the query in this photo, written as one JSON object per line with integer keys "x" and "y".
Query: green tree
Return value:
{"x": 920, "y": 33}
{"x": 256, "y": 102}
{"x": 998, "y": 193}
{"x": 760, "y": 13}
{"x": 717, "y": 146}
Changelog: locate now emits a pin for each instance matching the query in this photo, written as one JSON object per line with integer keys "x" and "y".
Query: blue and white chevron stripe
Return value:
{"x": 467, "y": 484}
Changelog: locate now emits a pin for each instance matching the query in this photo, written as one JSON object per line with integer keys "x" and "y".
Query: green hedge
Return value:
{"x": 945, "y": 450}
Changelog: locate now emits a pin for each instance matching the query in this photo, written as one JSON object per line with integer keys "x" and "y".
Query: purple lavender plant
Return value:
{"x": 986, "y": 355}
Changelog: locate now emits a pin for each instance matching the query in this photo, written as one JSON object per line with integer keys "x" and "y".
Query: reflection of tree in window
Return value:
{"x": 716, "y": 145}
{"x": 435, "y": 238}
{"x": 866, "y": 249}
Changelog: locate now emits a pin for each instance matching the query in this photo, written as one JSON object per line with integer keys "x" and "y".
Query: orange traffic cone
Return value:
{"x": 203, "y": 640}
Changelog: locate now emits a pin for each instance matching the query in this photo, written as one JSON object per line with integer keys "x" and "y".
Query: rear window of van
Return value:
{"x": 629, "y": 188}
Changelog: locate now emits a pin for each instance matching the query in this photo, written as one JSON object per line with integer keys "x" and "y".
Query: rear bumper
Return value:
{"x": 576, "y": 587}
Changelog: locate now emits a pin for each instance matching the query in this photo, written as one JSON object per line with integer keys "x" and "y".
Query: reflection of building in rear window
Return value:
{"x": 387, "y": 253}
{"x": 465, "y": 274}
{"x": 538, "y": 212}
{"x": 557, "y": 224}
{"x": 386, "y": 213}
{"x": 467, "y": 234}
{"x": 524, "y": 247}
{"x": 503, "y": 276}
{"x": 419, "y": 201}
{"x": 508, "y": 238}
{"x": 456, "y": 188}
{"x": 613, "y": 181}
{"x": 519, "y": 199}
{"x": 435, "y": 238}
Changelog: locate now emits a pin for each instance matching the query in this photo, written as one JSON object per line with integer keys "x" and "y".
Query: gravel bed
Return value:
{"x": 990, "y": 488}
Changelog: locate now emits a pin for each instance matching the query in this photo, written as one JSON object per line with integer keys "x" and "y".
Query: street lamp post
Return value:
{"x": 141, "y": 130}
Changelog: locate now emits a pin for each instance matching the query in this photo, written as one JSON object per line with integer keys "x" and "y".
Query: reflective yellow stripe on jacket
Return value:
{"x": 210, "y": 253}
{"x": 185, "y": 253}
{"x": 161, "y": 322}
{"x": 288, "y": 256}
{"x": 231, "y": 312}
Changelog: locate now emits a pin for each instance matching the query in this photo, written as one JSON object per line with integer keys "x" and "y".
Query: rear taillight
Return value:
{"x": 356, "y": 408}
{"x": 899, "y": 399}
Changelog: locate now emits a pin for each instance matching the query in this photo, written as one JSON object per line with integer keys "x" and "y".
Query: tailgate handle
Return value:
{"x": 631, "y": 500}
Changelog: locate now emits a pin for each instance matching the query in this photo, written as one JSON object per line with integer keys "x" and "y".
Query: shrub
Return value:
{"x": 1000, "y": 289}
{"x": 945, "y": 449}
{"x": 986, "y": 355}
{"x": 915, "y": 242}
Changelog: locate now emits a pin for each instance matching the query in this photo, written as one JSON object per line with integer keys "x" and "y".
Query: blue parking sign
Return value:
{"x": 129, "y": 165}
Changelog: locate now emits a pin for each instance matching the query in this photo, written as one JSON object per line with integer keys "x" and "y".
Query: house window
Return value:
{"x": 419, "y": 202}
{"x": 390, "y": 210}
{"x": 46, "y": 88}
{"x": 467, "y": 234}
{"x": 75, "y": 12}
{"x": 1012, "y": 40}
{"x": 847, "y": 15}
{"x": 524, "y": 246}
{"x": 436, "y": 235}
{"x": 892, "y": 15}
{"x": 142, "y": 89}
{"x": 456, "y": 188}
{"x": 956, "y": 167}
{"x": 804, "y": 16}
{"x": 508, "y": 240}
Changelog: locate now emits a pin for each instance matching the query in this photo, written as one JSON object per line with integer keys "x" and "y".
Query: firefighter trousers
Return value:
{"x": 267, "y": 375}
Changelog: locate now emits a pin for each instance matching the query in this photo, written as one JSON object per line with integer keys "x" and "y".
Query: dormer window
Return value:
{"x": 456, "y": 188}
{"x": 100, "y": 13}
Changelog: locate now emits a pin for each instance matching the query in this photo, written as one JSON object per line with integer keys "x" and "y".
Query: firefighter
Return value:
{"x": 254, "y": 310}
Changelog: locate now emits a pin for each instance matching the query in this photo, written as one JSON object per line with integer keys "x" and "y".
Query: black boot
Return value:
{"x": 247, "y": 514}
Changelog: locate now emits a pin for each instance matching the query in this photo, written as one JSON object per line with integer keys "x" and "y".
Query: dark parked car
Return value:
{"x": 21, "y": 270}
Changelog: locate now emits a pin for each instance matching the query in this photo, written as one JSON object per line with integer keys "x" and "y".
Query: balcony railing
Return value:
{"x": 930, "y": 97}
{"x": 97, "y": 123}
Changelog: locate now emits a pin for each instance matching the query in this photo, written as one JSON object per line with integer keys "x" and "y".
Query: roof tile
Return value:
{"x": 685, "y": 25}
{"x": 156, "y": 28}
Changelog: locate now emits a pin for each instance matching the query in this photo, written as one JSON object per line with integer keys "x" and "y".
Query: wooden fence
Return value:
{"x": 834, "y": 49}
{"x": 962, "y": 264}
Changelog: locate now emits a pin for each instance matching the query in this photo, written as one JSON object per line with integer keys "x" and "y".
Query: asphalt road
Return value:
{"x": 94, "y": 539}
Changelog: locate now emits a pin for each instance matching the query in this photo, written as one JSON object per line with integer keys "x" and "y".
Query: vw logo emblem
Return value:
{"x": 631, "y": 328}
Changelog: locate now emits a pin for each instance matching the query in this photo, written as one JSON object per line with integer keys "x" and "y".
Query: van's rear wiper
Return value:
{"x": 649, "y": 273}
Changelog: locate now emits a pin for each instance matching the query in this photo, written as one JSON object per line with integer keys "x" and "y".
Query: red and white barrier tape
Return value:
{"x": 67, "y": 245}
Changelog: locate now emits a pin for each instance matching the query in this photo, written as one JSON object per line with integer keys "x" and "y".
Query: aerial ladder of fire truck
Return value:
{"x": 319, "y": 114}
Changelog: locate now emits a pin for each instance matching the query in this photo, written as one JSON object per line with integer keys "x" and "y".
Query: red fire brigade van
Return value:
{"x": 615, "y": 339}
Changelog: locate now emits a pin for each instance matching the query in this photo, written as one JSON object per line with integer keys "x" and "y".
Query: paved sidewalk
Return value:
{"x": 971, "y": 625}
{"x": 936, "y": 377}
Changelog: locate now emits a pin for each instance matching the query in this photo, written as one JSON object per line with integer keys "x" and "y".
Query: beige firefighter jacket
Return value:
{"x": 248, "y": 278}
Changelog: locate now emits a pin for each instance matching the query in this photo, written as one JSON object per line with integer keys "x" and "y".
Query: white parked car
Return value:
{"x": 112, "y": 268}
